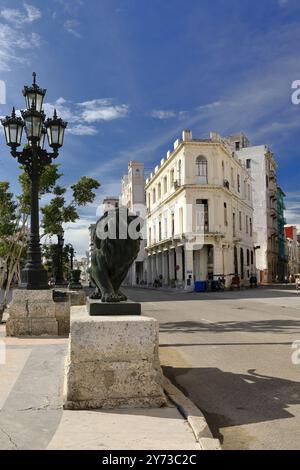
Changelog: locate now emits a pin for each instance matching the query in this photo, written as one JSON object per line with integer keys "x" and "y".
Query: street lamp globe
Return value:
{"x": 55, "y": 131}
{"x": 33, "y": 123}
{"x": 13, "y": 128}
{"x": 42, "y": 138}
{"x": 34, "y": 95}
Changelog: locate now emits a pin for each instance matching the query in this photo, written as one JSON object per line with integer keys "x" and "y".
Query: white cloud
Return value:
{"x": 63, "y": 108}
{"x": 13, "y": 40}
{"x": 71, "y": 26}
{"x": 292, "y": 212}
{"x": 92, "y": 104}
{"x": 71, "y": 7}
{"x": 13, "y": 43}
{"x": 19, "y": 17}
{"x": 81, "y": 129}
{"x": 105, "y": 113}
{"x": 78, "y": 235}
{"x": 33, "y": 13}
{"x": 167, "y": 114}
{"x": 83, "y": 115}
{"x": 163, "y": 114}
{"x": 102, "y": 110}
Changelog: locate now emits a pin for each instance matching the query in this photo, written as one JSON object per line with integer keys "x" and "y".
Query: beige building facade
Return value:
{"x": 199, "y": 215}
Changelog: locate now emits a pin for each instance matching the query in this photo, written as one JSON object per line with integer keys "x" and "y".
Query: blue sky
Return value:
{"x": 130, "y": 75}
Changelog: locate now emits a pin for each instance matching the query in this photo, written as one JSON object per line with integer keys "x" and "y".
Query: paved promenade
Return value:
{"x": 32, "y": 417}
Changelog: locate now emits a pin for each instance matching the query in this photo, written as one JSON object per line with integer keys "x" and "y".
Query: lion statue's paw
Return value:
{"x": 121, "y": 297}
{"x": 109, "y": 297}
{"x": 96, "y": 295}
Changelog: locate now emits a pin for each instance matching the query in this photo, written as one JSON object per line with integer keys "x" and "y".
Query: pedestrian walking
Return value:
{"x": 298, "y": 284}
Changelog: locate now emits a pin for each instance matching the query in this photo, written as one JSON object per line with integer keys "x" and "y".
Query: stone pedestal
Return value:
{"x": 112, "y": 362}
{"x": 102, "y": 309}
{"x": 35, "y": 313}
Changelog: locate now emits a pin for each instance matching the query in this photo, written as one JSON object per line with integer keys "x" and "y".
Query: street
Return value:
{"x": 231, "y": 353}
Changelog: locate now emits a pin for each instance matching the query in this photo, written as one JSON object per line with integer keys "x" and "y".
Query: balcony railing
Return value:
{"x": 176, "y": 184}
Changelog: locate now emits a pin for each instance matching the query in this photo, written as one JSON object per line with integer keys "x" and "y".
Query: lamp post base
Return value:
{"x": 34, "y": 279}
{"x": 38, "y": 313}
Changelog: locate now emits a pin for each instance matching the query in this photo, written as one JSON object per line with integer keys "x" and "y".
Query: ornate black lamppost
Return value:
{"x": 72, "y": 251}
{"x": 59, "y": 278}
{"x": 34, "y": 158}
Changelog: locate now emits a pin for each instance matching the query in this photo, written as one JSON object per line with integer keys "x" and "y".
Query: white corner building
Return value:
{"x": 204, "y": 174}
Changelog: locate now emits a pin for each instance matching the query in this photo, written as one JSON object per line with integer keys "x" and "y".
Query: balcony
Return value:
{"x": 177, "y": 237}
{"x": 272, "y": 232}
{"x": 273, "y": 212}
{"x": 226, "y": 184}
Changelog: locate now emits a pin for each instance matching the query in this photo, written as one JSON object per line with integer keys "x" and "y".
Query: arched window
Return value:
{"x": 201, "y": 164}
{"x": 153, "y": 196}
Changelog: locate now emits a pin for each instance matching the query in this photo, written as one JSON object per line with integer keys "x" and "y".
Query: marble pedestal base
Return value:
{"x": 112, "y": 362}
{"x": 35, "y": 313}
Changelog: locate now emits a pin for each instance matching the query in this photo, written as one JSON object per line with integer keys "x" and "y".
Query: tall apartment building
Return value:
{"x": 292, "y": 249}
{"x": 282, "y": 256}
{"x": 262, "y": 165}
{"x": 199, "y": 173}
{"x": 133, "y": 197}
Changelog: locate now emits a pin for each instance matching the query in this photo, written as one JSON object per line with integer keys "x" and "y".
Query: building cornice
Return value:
{"x": 190, "y": 143}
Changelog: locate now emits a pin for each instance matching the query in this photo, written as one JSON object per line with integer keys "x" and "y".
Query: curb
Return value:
{"x": 193, "y": 416}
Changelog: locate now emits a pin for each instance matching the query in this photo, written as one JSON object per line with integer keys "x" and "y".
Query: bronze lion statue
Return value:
{"x": 113, "y": 252}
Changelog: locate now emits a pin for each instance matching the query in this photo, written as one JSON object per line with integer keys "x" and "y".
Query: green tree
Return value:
{"x": 48, "y": 180}
{"x": 14, "y": 213}
{"x": 51, "y": 257}
{"x": 59, "y": 212}
{"x": 12, "y": 237}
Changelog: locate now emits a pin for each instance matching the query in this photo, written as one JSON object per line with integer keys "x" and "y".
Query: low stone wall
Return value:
{"x": 35, "y": 313}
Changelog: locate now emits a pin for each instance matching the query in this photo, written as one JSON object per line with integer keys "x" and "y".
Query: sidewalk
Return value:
{"x": 32, "y": 417}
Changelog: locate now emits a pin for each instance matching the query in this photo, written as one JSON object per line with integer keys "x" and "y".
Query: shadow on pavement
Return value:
{"x": 257, "y": 326}
{"x": 228, "y": 399}
{"x": 139, "y": 294}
